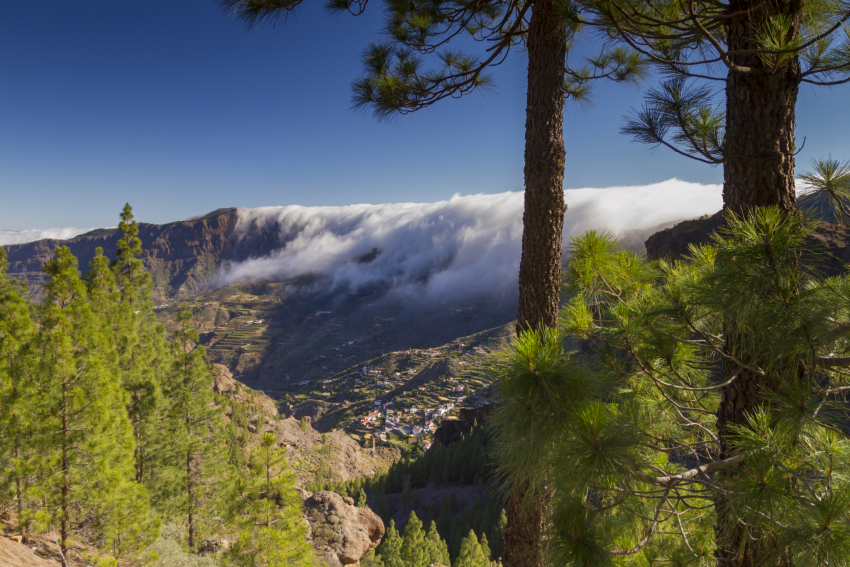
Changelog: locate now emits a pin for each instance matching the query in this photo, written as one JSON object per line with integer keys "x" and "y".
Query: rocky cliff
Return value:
{"x": 828, "y": 248}
{"x": 180, "y": 256}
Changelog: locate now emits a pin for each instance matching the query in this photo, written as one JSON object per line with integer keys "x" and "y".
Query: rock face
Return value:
{"x": 673, "y": 242}
{"x": 180, "y": 256}
{"x": 828, "y": 248}
{"x": 224, "y": 381}
{"x": 340, "y": 531}
{"x": 347, "y": 458}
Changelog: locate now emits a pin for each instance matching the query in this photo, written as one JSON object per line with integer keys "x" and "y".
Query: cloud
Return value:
{"x": 33, "y": 234}
{"x": 454, "y": 248}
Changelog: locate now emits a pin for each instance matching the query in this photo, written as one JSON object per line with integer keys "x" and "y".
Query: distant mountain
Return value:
{"x": 181, "y": 256}
{"x": 828, "y": 248}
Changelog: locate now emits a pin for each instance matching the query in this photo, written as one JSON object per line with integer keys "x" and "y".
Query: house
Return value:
{"x": 426, "y": 444}
{"x": 378, "y": 402}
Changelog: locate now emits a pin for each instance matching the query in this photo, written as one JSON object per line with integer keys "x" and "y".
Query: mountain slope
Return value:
{"x": 180, "y": 256}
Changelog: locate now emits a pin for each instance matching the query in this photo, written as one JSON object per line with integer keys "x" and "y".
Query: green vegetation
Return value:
{"x": 459, "y": 464}
{"x": 420, "y": 548}
{"x": 108, "y": 430}
{"x": 646, "y": 460}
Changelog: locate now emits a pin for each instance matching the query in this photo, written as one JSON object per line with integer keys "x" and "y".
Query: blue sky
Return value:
{"x": 175, "y": 108}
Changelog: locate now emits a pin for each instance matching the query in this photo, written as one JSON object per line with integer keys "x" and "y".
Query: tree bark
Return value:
{"x": 758, "y": 172}
{"x": 190, "y": 492}
{"x": 543, "y": 224}
{"x": 63, "y": 545}
{"x": 543, "y": 218}
{"x": 760, "y": 118}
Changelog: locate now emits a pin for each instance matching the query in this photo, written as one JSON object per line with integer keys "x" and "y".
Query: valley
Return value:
{"x": 366, "y": 364}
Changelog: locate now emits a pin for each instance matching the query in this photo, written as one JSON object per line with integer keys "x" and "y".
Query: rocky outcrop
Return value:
{"x": 673, "y": 242}
{"x": 344, "y": 458}
{"x": 828, "y": 248}
{"x": 224, "y": 381}
{"x": 180, "y": 256}
{"x": 341, "y": 532}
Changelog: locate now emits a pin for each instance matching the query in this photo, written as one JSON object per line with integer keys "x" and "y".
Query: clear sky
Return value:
{"x": 174, "y": 107}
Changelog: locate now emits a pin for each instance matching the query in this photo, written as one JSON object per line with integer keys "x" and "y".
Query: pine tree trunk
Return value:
{"x": 19, "y": 493}
{"x": 543, "y": 224}
{"x": 760, "y": 119}
{"x": 758, "y": 171}
{"x": 65, "y": 465}
{"x": 543, "y": 219}
{"x": 190, "y": 490}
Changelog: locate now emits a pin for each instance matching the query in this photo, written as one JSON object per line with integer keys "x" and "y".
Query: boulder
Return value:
{"x": 340, "y": 531}
{"x": 223, "y": 379}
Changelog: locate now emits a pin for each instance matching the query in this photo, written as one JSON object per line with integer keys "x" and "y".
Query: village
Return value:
{"x": 409, "y": 395}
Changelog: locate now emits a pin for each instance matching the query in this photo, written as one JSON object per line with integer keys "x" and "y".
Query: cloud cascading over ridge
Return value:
{"x": 454, "y": 248}
{"x": 33, "y": 234}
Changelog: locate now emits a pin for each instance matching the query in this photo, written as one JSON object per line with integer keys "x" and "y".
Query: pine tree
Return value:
{"x": 17, "y": 452}
{"x": 268, "y": 509}
{"x": 141, "y": 344}
{"x": 87, "y": 437}
{"x": 195, "y": 459}
{"x": 361, "y": 498}
{"x": 390, "y": 548}
{"x": 438, "y": 550}
{"x": 764, "y": 51}
{"x": 471, "y": 554}
{"x": 485, "y": 548}
{"x": 649, "y": 380}
{"x": 414, "y": 551}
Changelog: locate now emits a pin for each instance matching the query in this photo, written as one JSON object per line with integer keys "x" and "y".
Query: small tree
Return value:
{"x": 471, "y": 554}
{"x": 194, "y": 459}
{"x": 17, "y": 452}
{"x": 414, "y": 550}
{"x": 390, "y": 548}
{"x": 438, "y": 550}
{"x": 268, "y": 509}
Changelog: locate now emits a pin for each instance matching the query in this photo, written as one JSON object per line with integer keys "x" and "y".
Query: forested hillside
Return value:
{"x": 111, "y": 432}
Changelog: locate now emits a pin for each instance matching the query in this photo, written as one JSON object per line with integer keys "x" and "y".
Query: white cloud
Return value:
{"x": 33, "y": 234}
{"x": 457, "y": 247}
